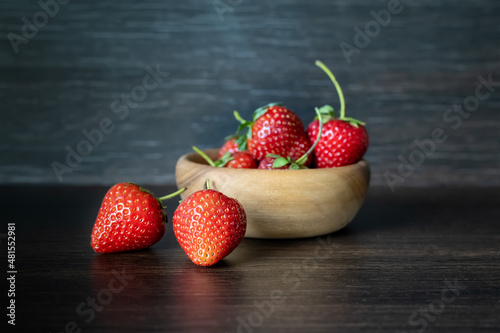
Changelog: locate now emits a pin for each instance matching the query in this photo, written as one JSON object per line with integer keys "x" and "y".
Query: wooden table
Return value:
{"x": 418, "y": 259}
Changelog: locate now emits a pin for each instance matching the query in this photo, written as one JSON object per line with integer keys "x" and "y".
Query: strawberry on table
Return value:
{"x": 344, "y": 140}
{"x": 130, "y": 218}
{"x": 276, "y": 130}
{"x": 209, "y": 225}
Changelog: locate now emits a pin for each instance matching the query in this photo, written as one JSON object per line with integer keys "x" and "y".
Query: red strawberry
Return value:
{"x": 268, "y": 163}
{"x": 209, "y": 225}
{"x": 273, "y": 161}
{"x": 276, "y": 130}
{"x": 230, "y": 146}
{"x": 242, "y": 160}
{"x": 236, "y": 142}
{"x": 130, "y": 218}
{"x": 344, "y": 140}
{"x": 238, "y": 160}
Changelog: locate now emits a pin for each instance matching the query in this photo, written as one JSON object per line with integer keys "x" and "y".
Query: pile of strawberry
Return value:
{"x": 209, "y": 225}
{"x": 276, "y": 139}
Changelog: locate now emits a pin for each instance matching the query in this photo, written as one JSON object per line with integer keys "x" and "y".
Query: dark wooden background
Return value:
{"x": 90, "y": 53}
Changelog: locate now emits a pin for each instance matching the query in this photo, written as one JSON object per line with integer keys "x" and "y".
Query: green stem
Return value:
{"x": 238, "y": 117}
{"x": 206, "y": 186}
{"x": 337, "y": 86}
{"x": 303, "y": 158}
{"x": 172, "y": 194}
{"x": 205, "y": 156}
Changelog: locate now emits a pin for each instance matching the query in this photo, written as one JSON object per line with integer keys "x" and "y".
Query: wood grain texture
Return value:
{"x": 402, "y": 253}
{"x": 277, "y": 202}
{"x": 64, "y": 80}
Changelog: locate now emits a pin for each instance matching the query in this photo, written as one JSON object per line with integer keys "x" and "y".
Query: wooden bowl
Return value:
{"x": 283, "y": 203}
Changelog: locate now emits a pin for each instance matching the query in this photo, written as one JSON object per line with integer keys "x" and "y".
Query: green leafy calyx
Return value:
{"x": 263, "y": 109}
{"x": 326, "y": 113}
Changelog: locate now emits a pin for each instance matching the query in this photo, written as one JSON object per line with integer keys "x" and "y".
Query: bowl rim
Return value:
{"x": 195, "y": 160}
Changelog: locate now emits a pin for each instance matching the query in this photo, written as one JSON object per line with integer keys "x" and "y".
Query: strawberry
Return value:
{"x": 268, "y": 163}
{"x": 230, "y": 146}
{"x": 130, "y": 218}
{"x": 344, "y": 140}
{"x": 209, "y": 225}
{"x": 234, "y": 143}
{"x": 276, "y": 130}
{"x": 273, "y": 161}
{"x": 242, "y": 160}
{"x": 237, "y": 160}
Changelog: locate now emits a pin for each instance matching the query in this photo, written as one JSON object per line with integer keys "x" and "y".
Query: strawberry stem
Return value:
{"x": 206, "y": 186}
{"x": 304, "y": 157}
{"x": 220, "y": 163}
{"x": 352, "y": 121}
{"x": 243, "y": 124}
{"x": 205, "y": 156}
{"x": 238, "y": 117}
{"x": 172, "y": 194}
{"x": 337, "y": 86}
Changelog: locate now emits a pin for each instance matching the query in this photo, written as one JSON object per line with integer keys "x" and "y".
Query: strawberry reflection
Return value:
{"x": 124, "y": 289}
{"x": 203, "y": 297}
{"x": 160, "y": 290}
